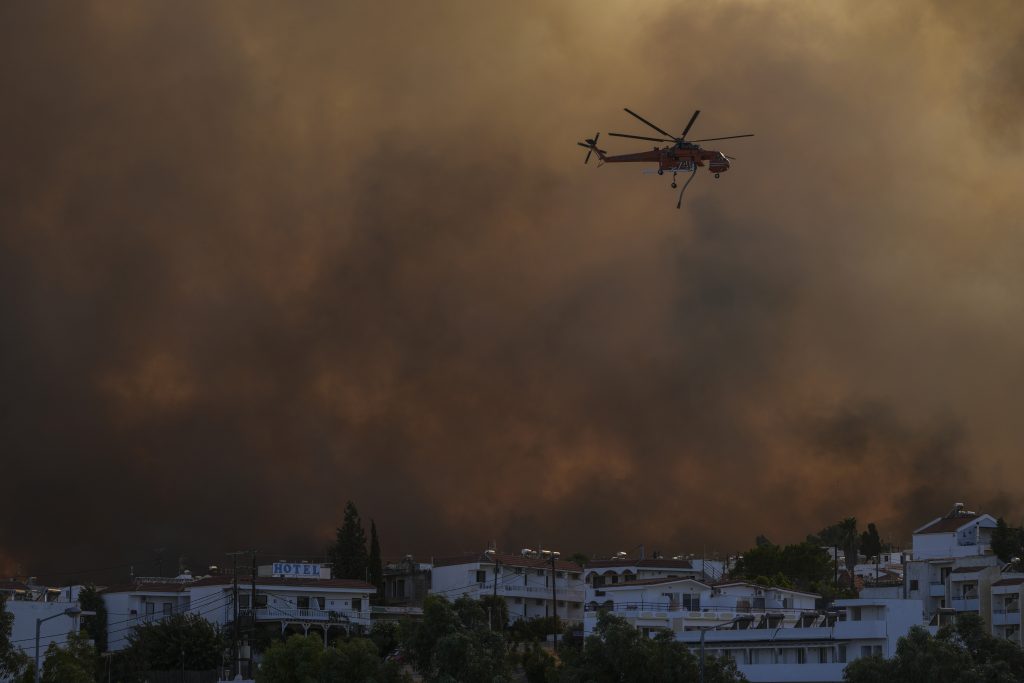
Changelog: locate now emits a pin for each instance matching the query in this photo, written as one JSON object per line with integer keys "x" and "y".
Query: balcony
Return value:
{"x": 966, "y": 604}
{"x": 1006, "y": 616}
{"x": 860, "y": 629}
{"x": 542, "y": 592}
{"x": 304, "y": 615}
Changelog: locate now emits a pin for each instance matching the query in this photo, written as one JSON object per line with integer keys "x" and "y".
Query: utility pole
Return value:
{"x": 554, "y": 599}
{"x": 252, "y": 606}
{"x": 234, "y": 601}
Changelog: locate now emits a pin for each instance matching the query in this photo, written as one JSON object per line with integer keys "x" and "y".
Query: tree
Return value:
{"x": 296, "y": 660}
{"x": 181, "y": 641}
{"x": 871, "y": 542}
{"x": 844, "y": 536}
{"x": 453, "y": 643}
{"x": 12, "y": 660}
{"x": 1007, "y": 541}
{"x": 73, "y": 663}
{"x": 376, "y": 566}
{"x": 801, "y": 564}
{"x": 348, "y": 554}
{"x": 962, "y": 653}
{"x": 304, "y": 659}
{"x": 579, "y": 558}
{"x": 618, "y": 652}
{"x": 96, "y": 626}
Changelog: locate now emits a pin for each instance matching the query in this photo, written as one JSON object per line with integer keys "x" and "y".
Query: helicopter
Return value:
{"x": 682, "y": 156}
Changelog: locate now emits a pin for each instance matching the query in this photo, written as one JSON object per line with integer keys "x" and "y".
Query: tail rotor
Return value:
{"x": 591, "y": 146}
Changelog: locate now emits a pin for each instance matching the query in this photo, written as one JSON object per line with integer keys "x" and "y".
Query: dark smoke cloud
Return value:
{"x": 260, "y": 259}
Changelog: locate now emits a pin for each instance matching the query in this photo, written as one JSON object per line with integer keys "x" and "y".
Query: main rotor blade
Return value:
{"x": 727, "y": 137}
{"x": 640, "y": 137}
{"x": 690, "y": 124}
{"x": 584, "y": 146}
{"x": 665, "y": 133}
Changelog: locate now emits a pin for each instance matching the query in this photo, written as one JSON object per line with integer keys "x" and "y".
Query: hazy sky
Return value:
{"x": 261, "y": 258}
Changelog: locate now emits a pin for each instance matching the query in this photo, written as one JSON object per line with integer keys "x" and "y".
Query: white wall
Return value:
{"x": 23, "y": 631}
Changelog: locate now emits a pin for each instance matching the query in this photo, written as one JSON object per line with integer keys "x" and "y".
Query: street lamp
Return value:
{"x": 743, "y": 619}
{"x": 72, "y": 612}
{"x": 491, "y": 553}
{"x": 552, "y": 556}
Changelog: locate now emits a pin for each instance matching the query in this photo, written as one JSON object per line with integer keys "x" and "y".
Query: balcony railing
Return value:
{"x": 273, "y": 613}
{"x": 544, "y": 592}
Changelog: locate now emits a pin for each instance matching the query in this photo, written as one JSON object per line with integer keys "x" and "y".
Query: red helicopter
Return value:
{"x": 682, "y": 156}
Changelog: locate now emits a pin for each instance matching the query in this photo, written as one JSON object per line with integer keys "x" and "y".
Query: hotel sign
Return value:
{"x": 296, "y": 570}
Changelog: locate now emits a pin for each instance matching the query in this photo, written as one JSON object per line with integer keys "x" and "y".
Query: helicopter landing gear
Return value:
{"x": 717, "y": 175}
{"x": 674, "y": 186}
{"x": 661, "y": 171}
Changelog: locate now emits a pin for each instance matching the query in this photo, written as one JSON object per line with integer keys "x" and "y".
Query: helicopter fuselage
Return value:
{"x": 676, "y": 157}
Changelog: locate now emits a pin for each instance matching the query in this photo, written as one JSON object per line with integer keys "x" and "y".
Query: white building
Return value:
{"x": 1006, "y": 597}
{"x": 597, "y": 573}
{"x": 325, "y": 606}
{"x": 961, "y": 533}
{"x": 782, "y": 636}
{"x": 524, "y": 582}
{"x": 56, "y": 629}
{"x": 952, "y": 566}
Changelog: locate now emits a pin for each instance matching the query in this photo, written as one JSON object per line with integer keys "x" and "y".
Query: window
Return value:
{"x": 261, "y": 600}
{"x": 560, "y": 575}
{"x": 865, "y": 650}
{"x": 841, "y": 654}
{"x": 150, "y": 608}
{"x": 357, "y": 604}
{"x": 243, "y": 601}
{"x": 615, "y": 578}
{"x": 399, "y": 588}
{"x": 913, "y": 584}
{"x": 481, "y": 576}
{"x": 519, "y": 570}
{"x": 538, "y": 601}
{"x": 302, "y": 602}
{"x": 168, "y": 609}
{"x": 519, "y": 601}
{"x": 540, "y": 572}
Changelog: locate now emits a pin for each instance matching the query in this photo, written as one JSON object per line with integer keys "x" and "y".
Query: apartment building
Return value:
{"x": 773, "y": 634}
{"x": 1006, "y": 596}
{"x": 951, "y": 567}
{"x": 524, "y": 581}
{"x": 328, "y": 607}
{"x": 598, "y": 573}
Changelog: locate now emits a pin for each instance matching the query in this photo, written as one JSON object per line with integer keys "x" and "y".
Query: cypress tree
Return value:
{"x": 348, "y": 554}
{"x": 376, "y": 565}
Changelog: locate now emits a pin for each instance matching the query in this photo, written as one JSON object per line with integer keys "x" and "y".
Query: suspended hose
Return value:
{"x": 692, "y": 174}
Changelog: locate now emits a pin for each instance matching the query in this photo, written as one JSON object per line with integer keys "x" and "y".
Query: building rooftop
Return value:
{"x": 652, "y": 582}
{"x": 945, "y": 525}
{"x": 507, "y": 559}
{"x": 656, "y": 564}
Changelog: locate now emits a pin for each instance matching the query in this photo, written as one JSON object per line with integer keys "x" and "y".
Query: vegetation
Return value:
{"x": 375, "y": 566}
{"x": 962, "y": 653}
{"x": 453, "y": 643}
{"x": 180, "y": 641}
{"x": 802, "y": 566}
{"x": 871, "y": 542}
{"x": 12, "y": 660}
{"x": 304, "y": 659}
{"x": 96, "y": 626}
{"x": 1007, "y": 541}
{"x": 348, "y": 554}
{"x": 617, "y": 652}
{"x": 75, "y": 662}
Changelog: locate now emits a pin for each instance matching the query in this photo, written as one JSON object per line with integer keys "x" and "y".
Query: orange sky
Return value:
{"x": 261, "y": 258}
